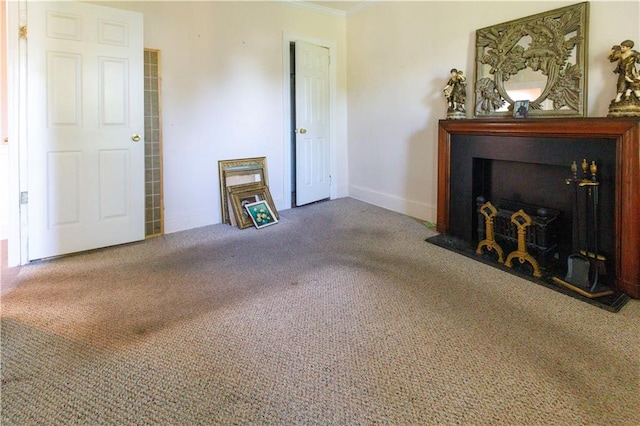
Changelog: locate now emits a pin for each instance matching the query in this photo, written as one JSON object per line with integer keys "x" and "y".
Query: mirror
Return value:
{"x": 540, "y": 58}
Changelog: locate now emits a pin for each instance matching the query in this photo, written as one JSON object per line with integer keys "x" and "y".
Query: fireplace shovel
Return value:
{"x": 578, "y": 271}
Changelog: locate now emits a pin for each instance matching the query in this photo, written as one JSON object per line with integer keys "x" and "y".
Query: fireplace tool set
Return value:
{"x": 585, "y": 265}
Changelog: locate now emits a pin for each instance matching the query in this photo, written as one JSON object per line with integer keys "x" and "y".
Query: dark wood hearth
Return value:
{"x": 546, "y": 143}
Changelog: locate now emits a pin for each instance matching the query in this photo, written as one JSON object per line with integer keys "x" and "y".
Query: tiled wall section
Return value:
{"x": 152, "y": 145}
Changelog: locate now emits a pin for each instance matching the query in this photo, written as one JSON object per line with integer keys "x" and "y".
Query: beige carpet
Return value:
{"x": 339, "y": 314}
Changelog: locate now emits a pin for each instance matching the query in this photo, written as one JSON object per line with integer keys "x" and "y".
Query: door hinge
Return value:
{"x": 23, "y": 32}
{"x": 24, "y": 197}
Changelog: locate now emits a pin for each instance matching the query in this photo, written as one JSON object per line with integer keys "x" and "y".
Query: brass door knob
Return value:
{"x": 303, "y": 131}
{"x": 135, "y": 137}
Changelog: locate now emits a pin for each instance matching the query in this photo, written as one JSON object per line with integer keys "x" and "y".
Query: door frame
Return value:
{"x": 287, "y": 39}
{"x": 17, "y": 132}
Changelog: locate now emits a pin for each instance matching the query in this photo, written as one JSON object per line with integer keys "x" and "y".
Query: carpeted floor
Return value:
{"x": 339, "y": 314}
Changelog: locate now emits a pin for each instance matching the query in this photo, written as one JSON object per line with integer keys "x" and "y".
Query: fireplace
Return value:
{"x": 527, "y": 161}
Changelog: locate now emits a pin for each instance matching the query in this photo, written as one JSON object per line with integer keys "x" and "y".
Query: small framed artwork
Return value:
{"x": 261, "y": 214}
{"x": 521, "y": 109}
{"x": 238, "y": 171}
{"x": 242, "y": 195}
{"x": 252, "y": 190}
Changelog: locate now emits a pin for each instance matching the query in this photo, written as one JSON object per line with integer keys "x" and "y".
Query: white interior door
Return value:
{"x": 313, "y": 179}
{"x": 85, "y": 110}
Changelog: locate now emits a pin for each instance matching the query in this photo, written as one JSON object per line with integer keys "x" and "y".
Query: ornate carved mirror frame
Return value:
{"x": 541, "y": 58}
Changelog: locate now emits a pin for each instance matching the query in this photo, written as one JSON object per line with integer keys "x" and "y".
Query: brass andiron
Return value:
{"x": 522, "y": 222}
{"x": 489, "y": 212}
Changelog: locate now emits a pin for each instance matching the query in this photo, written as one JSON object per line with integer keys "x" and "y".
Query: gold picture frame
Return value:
{"x": 241, "y": 188}
{"x": 239, "y": 171}
{"x": 541, "y": 58}
{"x": 244, "y": 194}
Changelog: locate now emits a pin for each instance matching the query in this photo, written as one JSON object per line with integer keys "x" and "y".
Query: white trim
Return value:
{"x": 16, "y": 105}
{"x": 188, "y": 220}
{"x": 313, "y": 7}
{"x": 353, "y": 6}
{"x": 412, "y": 208}
{"x": 287, "y": 39}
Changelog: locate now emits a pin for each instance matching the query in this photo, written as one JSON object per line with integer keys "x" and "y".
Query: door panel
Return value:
{"x": 85, "y": 102}
{"x": 64, "y": 73}
{"x": 114, "y": 182}
{"x": 114, "y": 93}
{"x": 63, "y": 184}
{"x": 312, "y": 123}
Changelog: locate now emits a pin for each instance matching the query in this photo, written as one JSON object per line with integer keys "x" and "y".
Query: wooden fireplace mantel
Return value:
{"x": 626, "y": 134}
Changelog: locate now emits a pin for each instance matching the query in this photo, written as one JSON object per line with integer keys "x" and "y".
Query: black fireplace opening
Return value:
{"x": 543, "y": 193}
{"x": 508, "y": 184}
{"x": 528, "y": 172}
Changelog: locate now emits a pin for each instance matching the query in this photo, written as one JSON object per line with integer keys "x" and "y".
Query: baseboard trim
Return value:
{"x": 190, "y": 220}
{"x": 419, "y": 210}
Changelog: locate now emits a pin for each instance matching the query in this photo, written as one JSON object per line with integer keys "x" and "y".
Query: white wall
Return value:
{"x": 222, "y": 69}
{"x": 399, "y": 57}
{"x": 222, "y": 94}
